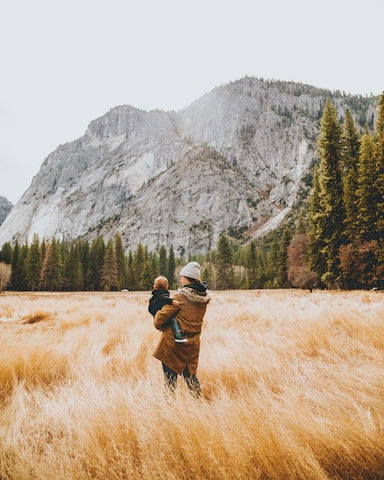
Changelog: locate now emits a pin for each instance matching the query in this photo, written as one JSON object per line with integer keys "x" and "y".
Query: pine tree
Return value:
{"x": 224, "y": 264}
{"x": 147, "y": 276}
{"x": 154, "y": 264}
{"x": 282, "y": 269}
{"x": 316, "y": 241}
{"x": 109, "y": 271}
{"x": 34, "y": 263}
{"x": 96, "y": 260}
{"x": 350, "y": 143}
{"x": 350, "y": 161}
{"x": 252, "y": 266}
{"x": 73, "y": 278}
{"x": 366, "y": 193}
{"x": 84, "y": 251}
{"x": 273, "y": 255}
{"x": 121, "y": 262}
{"x": 138, "y": 266}
{"x": 208, "y": 275}
{"x": 171, "y": 268}
{"x": 163, "y": 261}
{"x": 379, "y": 182}
{"x": 52, "y": 271}
{"x": 330, "y": 215}
{"x": 130, "y": 284}
{"x": 18, "y": 276}
{"x": 6, "y": 253}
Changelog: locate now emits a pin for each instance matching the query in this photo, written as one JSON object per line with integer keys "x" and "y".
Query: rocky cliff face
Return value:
{"x": 235, "y": 160}
{"x": 5, "y": 208}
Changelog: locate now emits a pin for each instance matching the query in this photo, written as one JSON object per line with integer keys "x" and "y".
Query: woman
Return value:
{"x": 183, "y": 358}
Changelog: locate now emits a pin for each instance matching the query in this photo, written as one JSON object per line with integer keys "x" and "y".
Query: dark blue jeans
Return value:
{"x": 192, "y": 381}
{"x": 175, "y": 326}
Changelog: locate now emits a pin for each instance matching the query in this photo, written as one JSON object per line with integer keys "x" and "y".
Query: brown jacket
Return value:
{"x": 190, "y": 314}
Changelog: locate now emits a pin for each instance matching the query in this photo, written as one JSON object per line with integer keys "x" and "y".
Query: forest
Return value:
{"x": 334, "y": 239}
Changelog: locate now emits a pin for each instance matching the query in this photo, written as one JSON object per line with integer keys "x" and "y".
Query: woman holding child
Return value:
{"x": 189, "y": 309}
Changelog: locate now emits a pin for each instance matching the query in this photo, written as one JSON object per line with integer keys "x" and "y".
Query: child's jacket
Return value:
{"x": 158, "y": 300}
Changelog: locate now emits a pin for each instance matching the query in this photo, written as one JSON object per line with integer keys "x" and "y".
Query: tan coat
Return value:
{"x": 190, "y": 314}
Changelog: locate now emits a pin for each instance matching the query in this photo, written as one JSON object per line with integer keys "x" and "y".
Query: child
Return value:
{"x": 161, "y": 297}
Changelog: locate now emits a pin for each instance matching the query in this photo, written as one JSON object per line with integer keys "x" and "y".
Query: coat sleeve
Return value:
{"x": 163, "y": 316}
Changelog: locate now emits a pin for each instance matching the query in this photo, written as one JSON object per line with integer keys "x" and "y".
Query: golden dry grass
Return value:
{"x": 293, "y": 388}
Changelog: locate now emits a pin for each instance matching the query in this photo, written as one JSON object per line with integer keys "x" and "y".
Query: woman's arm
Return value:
{"x": 162, "y": 316}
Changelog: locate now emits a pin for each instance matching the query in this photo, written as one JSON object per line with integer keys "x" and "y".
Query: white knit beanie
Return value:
{"x": 191, "y": 270}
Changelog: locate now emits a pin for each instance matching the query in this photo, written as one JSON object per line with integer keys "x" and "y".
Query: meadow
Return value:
{"x": 292, "y": 382}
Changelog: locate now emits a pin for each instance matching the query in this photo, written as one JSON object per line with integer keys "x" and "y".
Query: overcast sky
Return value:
{"x": 65, "y": 63}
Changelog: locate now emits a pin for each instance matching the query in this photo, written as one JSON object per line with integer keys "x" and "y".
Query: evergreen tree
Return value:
{"x": 282, "y": 269}
{"x": 208, "y": 275}
{"x": 273, "y": 255}
{"x": 6, "y": 253}
{"x": 330, "y": 215}
{"x": 252, "y": 266}
{"x": 23, "y": 257}
{"x": 121, "y": 262}
{"x": 350, "y": 161}
{"x": 84, "y": 251}
{"x": 171, "y": 268}
{"x": 224, "y": 264}
{"x": 379, "y": 182}
{"x": 18, "y": 280}
{"x": 52, "y": 270}
{"x": 138, "y": 266}
{"x": 73, "y": 279}
{"x": 154, "y": 266}
{"x": 130, "y": 272}
{"x": 163, "y": 261}
{"x": 34, "y": 263}
{"x": 96, "y": 260}
{"x": 316, "y": 241}
{"x": 350, "y": 143}
{"x": 109, "y": 271}
{"x": 147, "y": 276}
{"x": 366, "y": 192}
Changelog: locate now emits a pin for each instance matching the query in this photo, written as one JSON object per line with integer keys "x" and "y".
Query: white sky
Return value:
{"x": 65, "y": 63}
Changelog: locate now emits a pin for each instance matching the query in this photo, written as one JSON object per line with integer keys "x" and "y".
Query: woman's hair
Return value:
{"x": 191, "y": 280}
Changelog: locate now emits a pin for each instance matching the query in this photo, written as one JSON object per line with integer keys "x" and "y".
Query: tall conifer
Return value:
{"x": 171, "y": 267}
{"x": 329, "y": 211}
{"x": 366, "y": 192}
{"x": 109, "y": 271}
{"x": 34, "y": 263}
{"x": 252, "y": 266}
{"x": 163, "y": 261}
{"x": 350, "y": 161}
{"x": 225, "y": 278}
{"x": 121, "y": 261}
{"x": 52, "y": 271}
{"x": 379, "y": 183}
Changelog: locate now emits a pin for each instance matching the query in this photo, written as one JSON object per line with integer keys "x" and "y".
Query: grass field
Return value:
{"x": 293, "y": 388}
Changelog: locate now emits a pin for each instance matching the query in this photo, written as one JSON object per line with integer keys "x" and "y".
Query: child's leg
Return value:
{"x": 175, "y": 327}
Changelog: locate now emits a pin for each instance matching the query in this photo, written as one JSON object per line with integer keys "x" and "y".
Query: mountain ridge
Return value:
{"x": 265, "y": 131}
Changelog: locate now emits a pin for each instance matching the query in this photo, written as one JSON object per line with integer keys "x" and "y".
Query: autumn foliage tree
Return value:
{"x": 299, "y": 272}
{"x": 5, "y": 275}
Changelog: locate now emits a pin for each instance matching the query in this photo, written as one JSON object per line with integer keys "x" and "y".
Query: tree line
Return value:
{"x": 346, "y": 207}
{"x": 336, "y": 241}
{"x": 104, "y": 266}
